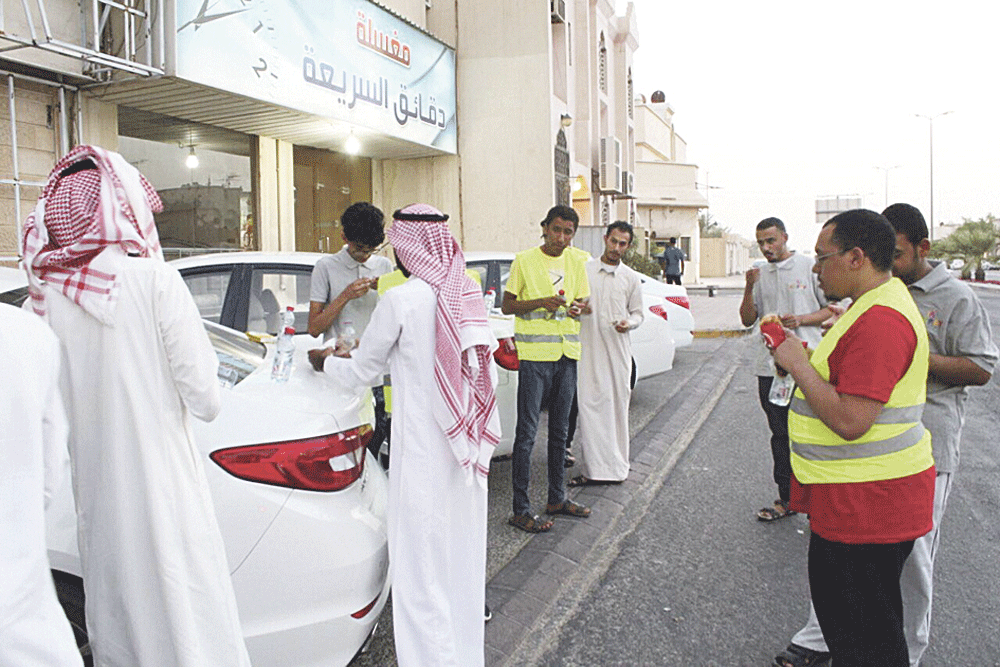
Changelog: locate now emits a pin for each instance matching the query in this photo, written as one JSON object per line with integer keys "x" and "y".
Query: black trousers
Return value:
{"x": 777, "y": 420}
{"x": 672, "y": 279}
{"x": 855, "y": 590}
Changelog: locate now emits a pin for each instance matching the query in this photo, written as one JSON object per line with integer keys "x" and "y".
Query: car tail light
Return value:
{"x": 659, "y": 310}
{"x": 681, "y": 301}
{"x": 361, "y": 613}
{"x": 327, "y": 463}
{"x": 506, "y": 355}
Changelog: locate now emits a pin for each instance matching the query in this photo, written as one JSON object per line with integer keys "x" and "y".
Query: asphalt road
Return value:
{"x": 692, "y": 577}
{"x": 700, "y": 581}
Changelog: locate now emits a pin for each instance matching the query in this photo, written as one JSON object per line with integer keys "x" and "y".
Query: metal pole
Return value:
{"x": 930, "y": 126}
{"x": 13, "y": 154}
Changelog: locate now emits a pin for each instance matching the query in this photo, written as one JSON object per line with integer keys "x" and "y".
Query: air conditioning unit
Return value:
{"x": 628, "y": 183}
{"x": 611, "y": 165}
{"x": 558, "y": 9}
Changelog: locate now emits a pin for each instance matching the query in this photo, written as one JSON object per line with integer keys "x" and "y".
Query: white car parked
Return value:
{"x": 300, "y": 503}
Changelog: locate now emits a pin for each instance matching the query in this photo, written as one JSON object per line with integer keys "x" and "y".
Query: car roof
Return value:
{"x": 222, "y": 258}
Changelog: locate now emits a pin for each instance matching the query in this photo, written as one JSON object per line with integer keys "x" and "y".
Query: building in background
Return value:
{"x": 827, "y": 207}
{"x": 667, "y": 199}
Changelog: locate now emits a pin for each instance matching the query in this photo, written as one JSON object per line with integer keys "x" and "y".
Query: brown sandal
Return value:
{"x": 569, "y": 508}
{"x": 530, "y": 523}
{"x": 778, "y": 511}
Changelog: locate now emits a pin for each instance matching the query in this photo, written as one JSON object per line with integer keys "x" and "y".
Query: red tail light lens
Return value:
{"x": 506, "y": 355}
{"x": 681, "y": 301}
{"x": 328, "y": 463}
{"x": 659, "y": 310}
{"x": 361, "y": 613}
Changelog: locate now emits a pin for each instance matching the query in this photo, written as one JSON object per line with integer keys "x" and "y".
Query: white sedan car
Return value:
{"x": 300, "y": 503}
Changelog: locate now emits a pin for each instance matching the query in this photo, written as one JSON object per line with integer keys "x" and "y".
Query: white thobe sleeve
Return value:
{"x": 369, "y": 362}
{"x": 55, "y": 429}
{"x": 635, "y": 310}
{"x": 193, "y": 362}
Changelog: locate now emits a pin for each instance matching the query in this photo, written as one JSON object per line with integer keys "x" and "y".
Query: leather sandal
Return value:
{"x": 569, "y": 508}
{"x": 530, "y": 523}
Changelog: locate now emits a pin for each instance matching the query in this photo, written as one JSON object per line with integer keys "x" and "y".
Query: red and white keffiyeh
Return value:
{"x": 466, "y": 406}
{"x": 84, "y": 223}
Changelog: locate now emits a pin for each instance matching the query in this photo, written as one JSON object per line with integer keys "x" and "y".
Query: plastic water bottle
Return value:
{"x": 288, "y": 318}
{"x": 348, "y": 338}
{"x": 282, "y": 368}
{"x": 489, "y": 300}
{"x": 560, "y": 312}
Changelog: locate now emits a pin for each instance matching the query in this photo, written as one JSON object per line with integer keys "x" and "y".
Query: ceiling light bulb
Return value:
{"x": 192, "y": 160}
{"x": 353, "y": 145}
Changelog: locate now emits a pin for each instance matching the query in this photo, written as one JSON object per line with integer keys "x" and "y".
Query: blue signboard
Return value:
{"x": 348, "y": 60}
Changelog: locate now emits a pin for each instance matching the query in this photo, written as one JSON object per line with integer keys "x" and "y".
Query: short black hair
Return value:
{"x": 673, "y": 239}
{"x": 364, "y": 224}
{"x": 868, "y": 230}
{"x": 908, "y": 221}
{"x": 621, "y": 226}
{"x": 767, "y": 223}
{"x": 565, "y": 212}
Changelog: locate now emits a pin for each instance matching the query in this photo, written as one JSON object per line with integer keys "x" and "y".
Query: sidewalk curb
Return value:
{"x": 536, "y": 593}
{"x": 722, "y": 333}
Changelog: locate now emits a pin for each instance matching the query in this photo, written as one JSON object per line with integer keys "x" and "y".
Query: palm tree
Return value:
{"x": 971, "y": 242}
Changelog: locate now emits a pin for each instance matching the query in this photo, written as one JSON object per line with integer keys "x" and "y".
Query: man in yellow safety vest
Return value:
{"x": 861, "y": 458}
{"x": 547, "y": 291}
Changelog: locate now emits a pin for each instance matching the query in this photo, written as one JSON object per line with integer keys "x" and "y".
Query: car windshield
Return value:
{"x": 238, "y": 355}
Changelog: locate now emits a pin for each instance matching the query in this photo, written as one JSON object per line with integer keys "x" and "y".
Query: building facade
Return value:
{"x": 261, "y": 120}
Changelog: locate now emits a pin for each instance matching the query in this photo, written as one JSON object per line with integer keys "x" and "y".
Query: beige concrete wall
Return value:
{"x": 99, "y": 123}
{"x": 64, "y": 21}
{"x": 275, "y": 194}
{"x": 505, "y": 134}
{"x": 432, "y": 180}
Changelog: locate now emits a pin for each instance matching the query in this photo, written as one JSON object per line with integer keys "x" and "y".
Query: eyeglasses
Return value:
{"x": 369, "y": 249}
{"x": 819, "y": 259}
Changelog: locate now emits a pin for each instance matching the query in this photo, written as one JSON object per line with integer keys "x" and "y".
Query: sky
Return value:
{"x": 782, "y": 102}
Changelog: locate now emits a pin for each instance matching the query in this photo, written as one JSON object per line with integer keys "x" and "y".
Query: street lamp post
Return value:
{"x": 930, "y": 126}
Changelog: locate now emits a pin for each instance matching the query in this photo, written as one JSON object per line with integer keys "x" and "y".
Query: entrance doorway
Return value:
{"x": 325, "y": 184}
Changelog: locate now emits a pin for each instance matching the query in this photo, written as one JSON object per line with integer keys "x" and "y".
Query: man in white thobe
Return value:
{"x": 136, "y": 363}
{"x": 433, "y": 333}
{"x": 33, "y": 628}
{"x": 605, "y": 370}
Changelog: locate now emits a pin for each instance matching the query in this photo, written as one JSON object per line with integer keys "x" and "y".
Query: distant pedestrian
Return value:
{"x": 786, "y": 286}
{"x": 604, "y": 380}
{"x": 546, "y": 291}
{"x": 33, "y": 628}
{"x": 432, "y": 333}
{"x": 137, "y": 363}
{"x": 962, "y": 354}
{"x": 861, "y": 458}
{"x": 673, "y": 262}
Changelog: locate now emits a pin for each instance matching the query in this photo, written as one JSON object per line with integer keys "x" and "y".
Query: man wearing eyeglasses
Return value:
{"x": 786, "y": 287}
{"x": 861, "y": 458}
{"x": 344, "y": 285}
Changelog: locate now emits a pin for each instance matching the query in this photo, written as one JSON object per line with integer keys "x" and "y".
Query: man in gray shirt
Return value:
{"x": 344, "y": 285}
{"x": 963, "y": 354}
{"x": 673, "y": 262}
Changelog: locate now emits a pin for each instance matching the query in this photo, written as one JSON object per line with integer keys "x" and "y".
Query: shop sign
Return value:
{"x": 348, "y": 60}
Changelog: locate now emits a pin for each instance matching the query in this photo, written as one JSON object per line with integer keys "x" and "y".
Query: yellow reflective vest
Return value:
{"x": 897, "y": 445}
{"x": 539, "y": 336}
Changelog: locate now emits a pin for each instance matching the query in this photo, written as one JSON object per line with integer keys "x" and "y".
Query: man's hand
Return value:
{"x": 753, "y": 275}
{"x": 837, "y": 311}
{"x": 318, "y": 356}
{"x": 579, "y": 307}
{"x": 358, "y": 288}
{"x": 551, "y": 303}
{"x": 791, "y": 354}
{"x": 791, "y": 321}
{"x": 621, "y": 326}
